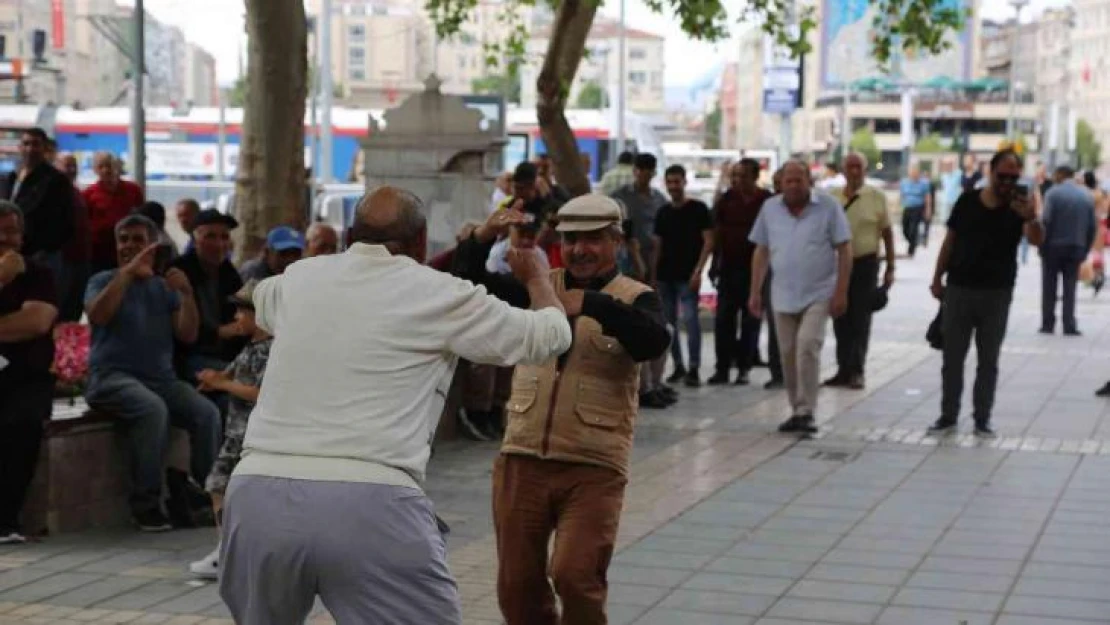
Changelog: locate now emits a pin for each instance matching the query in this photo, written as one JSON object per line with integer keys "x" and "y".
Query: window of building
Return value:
{"x": 356, "y": 55}
{"x": 356, "y": 33}
{"x": 637, "y": 78}
{"x": 356, "y": 74}
{"x": 637, "y": 53}
{"x": 462, "y": 62}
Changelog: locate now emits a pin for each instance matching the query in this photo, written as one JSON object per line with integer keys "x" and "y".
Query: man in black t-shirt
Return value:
{"x": 28, "y": 308}
{"x": 684, "y": 238}
{"x": 979, "y": 256}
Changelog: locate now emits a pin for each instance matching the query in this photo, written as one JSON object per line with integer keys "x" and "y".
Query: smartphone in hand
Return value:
{"x": 163, "y": 256}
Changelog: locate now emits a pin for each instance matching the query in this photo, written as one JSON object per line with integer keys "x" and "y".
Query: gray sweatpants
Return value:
{"x": 372, "y": 553}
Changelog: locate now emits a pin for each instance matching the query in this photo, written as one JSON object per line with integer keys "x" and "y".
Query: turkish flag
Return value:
{"x": 1086, "y": 73}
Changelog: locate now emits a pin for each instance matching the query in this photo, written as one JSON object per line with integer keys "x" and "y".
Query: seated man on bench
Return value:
{"x": 136, "y": 312}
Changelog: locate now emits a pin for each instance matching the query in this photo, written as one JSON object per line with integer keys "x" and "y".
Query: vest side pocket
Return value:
{"x": 524, "y": 393}
{"x": 598, "y": 405}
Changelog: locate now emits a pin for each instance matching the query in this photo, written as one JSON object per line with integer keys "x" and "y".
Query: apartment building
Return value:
{"x": 382, "y": 50}
{"x": 1088, "y": 75}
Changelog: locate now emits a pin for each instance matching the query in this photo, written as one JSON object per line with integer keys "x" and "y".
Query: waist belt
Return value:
{"x": 866, "y": 257}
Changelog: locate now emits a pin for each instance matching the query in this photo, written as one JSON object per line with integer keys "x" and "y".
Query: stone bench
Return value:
{"x": 83, "y": 478}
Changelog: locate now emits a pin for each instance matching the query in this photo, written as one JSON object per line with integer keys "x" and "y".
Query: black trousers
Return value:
{"x": 1057, "y": 263}
{"x": 911, "y": 226}
{"x": 733, "y": 290}
{"x": 24, "y": 405}
{"x": 774, "y": 359}
{"x": 853, "y": 328}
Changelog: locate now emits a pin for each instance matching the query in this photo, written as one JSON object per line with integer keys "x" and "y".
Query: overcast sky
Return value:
{"x": 217, "y": 25}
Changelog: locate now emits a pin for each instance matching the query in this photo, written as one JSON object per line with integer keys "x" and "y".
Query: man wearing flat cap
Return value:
{"x": 564, "y": 459}
{"x": 214, "y": 280}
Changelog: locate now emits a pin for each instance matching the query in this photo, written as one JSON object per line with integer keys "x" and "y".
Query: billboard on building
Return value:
{"x": 846, "y": 35}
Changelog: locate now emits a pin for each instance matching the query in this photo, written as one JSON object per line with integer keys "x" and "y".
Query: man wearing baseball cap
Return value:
{"x": 564, "y": 459}
{"x": 284, "y": 246}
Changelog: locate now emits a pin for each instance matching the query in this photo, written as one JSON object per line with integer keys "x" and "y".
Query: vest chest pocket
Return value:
{"x": 600, "y": 405}
{"x": 523, "y": 395}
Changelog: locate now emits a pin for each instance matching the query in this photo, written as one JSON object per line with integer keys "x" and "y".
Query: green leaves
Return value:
{"x": 918, "y": 27}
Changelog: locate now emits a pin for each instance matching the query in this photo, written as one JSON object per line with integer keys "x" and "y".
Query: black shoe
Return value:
{"x": 668, "y": 398}
{"x": 653, "y": 400}
{"x": 152, "y": 520}
{"x": 942, "y": 427}
{"x": 691, "y": 379}
{"x": 856, "y": 383}
{"x": 1046, "y": 330}
{"x": 470, "y": 425}
{"x": 807, "y": 424}
{"x": 493, "y": 430}
{"x": 668, "y": 392}
{"x": 717, "y": 379}
{"x": 799, "y": 424}
{"x": 1104, "y": 391}
{"x": 774, "y": 384}
{"x": 1073, "y": 332}
{"x": 743, "y": 379}
{"x": 983, "y": 429}
{"x": 837, "y": 380}
{"x": 677, "y": 376}
{"x": 791, "y": 425}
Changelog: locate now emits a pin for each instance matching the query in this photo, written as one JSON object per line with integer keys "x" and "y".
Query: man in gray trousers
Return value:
{"x": 327, "y": 500}
{"x": 979, "y": 258}
{"x": 1069, "y": 232}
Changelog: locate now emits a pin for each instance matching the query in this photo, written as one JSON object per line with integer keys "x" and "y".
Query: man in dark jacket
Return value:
{"x": 46, "y": 198}
{"x": 214, "y": 280}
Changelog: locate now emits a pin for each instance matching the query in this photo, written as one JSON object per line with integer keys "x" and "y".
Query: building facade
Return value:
{"x": 753, "y": 129}
{"x": 201, "y": 85}
{"x": 382, "y": 50}
{"x": 82, "y": 61}
{"x": 1089, "y": 67}
{"x": 644, "y": 66}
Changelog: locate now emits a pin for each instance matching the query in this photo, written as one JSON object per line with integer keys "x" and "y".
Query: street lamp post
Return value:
{"x": 138, "y": 113}
{"x": 622, "y": 83}
{"x": 1010, "y": 119}
{"x": 324, "y": 170}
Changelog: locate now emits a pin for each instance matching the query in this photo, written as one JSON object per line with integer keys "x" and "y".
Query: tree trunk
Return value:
{"x": 564, "y": 52}
{"x": 270, "y": 178}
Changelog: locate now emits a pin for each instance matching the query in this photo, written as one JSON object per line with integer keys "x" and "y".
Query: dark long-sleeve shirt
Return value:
{"x": 639, "y": 327}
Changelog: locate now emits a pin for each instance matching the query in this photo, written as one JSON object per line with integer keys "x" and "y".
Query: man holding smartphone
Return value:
{"x": 979, "y": 257}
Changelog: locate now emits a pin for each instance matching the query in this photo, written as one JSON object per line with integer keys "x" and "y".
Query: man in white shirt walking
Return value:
{"x": 327, "y": 499}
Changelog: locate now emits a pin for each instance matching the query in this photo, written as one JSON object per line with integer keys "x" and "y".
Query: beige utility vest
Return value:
{"x": 586, "y": 412}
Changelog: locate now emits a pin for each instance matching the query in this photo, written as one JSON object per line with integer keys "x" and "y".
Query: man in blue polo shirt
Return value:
{"x": 803, "y": 236}
{"x": 917, "y": 206}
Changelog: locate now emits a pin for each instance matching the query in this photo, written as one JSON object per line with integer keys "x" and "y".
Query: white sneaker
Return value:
{"x": 207, "y": 567}
{"x": 12, "y": 538}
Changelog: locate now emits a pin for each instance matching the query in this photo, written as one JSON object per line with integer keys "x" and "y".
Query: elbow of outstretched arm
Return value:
{"x": 654, "y": 344}
{"x": 548, "y": 336}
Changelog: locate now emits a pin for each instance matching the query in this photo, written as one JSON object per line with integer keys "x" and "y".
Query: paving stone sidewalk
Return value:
{"x": 728, "y": 522}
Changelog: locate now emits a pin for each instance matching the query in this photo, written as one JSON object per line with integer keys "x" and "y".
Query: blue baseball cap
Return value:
{"x": 284, "y": 238}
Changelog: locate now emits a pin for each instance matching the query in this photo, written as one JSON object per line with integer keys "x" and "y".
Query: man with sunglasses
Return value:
{"x": 979, "y": 258}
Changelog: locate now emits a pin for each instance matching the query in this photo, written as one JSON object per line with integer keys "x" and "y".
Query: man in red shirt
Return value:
{"x": 734, "y": 214}
{"x": 109, "y": 199}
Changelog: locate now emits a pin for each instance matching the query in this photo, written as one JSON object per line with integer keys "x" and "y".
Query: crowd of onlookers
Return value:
{"x": 165, "y": 324}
